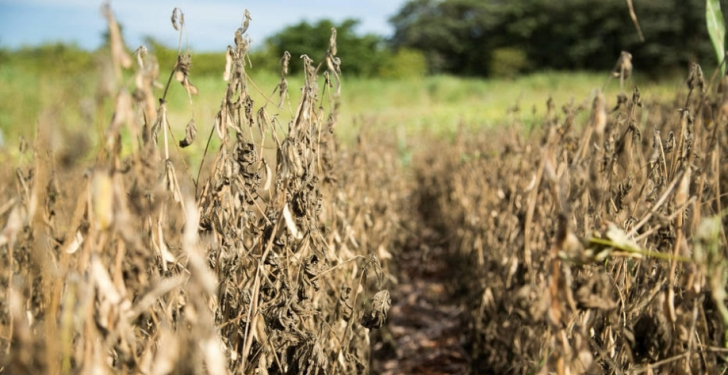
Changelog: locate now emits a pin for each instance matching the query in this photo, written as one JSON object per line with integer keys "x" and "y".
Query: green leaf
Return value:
{"x": 716, "y": 29}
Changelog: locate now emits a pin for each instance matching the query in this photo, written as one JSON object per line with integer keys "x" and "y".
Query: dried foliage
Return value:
{"x": 272, "y": 263}
{"x": 595, "y": 244}
{"x": 595, "y": 248}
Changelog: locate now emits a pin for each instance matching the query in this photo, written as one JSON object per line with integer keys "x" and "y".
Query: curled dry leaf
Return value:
{"x": 246, "y": 21}
{"x": 182, "y": 73}
{"x": 141, "y": 52}
{"x": 177, "y": 14}
{"x": 190, "y": 134}
{"x": 623, "y": 68}
{"x": 285, "y": 62}
{"x": 375, "y": 315}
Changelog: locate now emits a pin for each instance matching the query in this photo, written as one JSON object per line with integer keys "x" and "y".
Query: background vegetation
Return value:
{"x": 411, "y": 79}
{"x": 475, "y": 37}
{"x": 465, "y": 37}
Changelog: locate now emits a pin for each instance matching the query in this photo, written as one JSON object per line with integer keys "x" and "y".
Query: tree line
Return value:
{"x": 495, "y": 37}
{"x": 486, "y": 38}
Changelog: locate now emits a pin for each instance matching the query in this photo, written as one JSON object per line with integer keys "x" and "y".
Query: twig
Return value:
{"x": 633, "y": 15}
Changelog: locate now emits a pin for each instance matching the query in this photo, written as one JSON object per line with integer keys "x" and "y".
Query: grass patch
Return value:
{"x": 432, "y": 105}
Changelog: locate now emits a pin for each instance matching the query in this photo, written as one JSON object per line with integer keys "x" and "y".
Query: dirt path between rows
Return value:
{"x": 426, "y": 332}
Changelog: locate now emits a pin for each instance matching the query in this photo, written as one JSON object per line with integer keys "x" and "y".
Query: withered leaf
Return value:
{"x": 375, "y": 315}
{"x": 190, "y": 134}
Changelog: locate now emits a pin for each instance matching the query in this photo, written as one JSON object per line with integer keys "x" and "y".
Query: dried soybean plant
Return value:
{"x": 274, "y": 263}
{"x": 593, "y": 249}
{"x": 289, "y": 283}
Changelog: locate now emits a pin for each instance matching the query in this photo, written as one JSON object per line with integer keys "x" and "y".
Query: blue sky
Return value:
{"x": 210, "y": 24}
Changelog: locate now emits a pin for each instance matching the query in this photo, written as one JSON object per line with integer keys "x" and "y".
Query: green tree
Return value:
{"x": 51, "y": 58}
{"x": 360, "y": 55}
{"x": 461, "y": 36}
{"x": 455, "y": 36}
{"x": 404, "y": 63}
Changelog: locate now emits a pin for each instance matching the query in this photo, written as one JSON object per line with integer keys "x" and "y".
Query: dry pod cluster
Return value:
{"x": 594, "y": 244}
{"x": 270, "y": 263}
{"x": 586, "y": 244}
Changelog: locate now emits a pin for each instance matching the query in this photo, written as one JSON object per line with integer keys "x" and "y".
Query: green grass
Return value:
{"x": 434, "y": 105}
{"x": 26, "y": 97}
{"x": 437, "y": 104}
